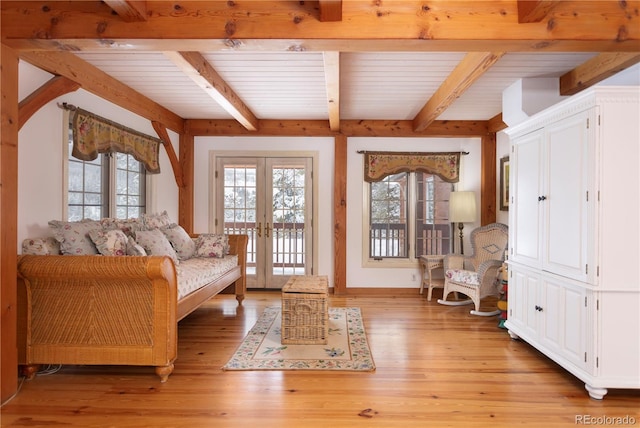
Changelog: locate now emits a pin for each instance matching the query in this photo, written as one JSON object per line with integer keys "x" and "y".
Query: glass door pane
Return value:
{"x": 289, "y": 191}
{"x": 267, "y": 199}
{"x": 240, "y": 209}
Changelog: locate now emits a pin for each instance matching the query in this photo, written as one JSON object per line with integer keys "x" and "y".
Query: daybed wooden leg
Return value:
{"x": 164, "y": 372}
{"x": 30, "y": 371}
{"x": 239, "y": 298}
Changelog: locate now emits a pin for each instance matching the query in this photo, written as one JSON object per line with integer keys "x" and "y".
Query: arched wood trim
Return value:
{"x": 56, "y": 86}
{"x": 166, "y": 142}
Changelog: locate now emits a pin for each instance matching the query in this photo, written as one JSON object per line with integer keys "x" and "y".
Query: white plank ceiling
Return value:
{"x": 292, "y": 85}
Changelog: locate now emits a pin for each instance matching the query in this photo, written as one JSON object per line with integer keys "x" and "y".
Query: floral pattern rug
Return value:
{"x": 347, "y": 347}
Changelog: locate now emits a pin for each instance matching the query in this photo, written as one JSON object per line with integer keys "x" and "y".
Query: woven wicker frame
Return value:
{"x": 489, "y": 244}
{"x": 101, "y": 310}
{"x": 305, "y": 311}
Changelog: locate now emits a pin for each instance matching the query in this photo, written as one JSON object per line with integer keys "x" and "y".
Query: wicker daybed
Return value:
{"x": 99, "y": 310}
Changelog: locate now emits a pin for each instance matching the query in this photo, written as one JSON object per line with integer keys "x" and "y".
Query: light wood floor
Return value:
{"x": 436, "y": 366}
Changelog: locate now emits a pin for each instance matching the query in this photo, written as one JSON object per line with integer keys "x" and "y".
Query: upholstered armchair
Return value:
{"x": 476, "y": 275}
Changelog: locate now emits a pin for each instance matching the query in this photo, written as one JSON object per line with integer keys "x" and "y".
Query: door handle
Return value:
{"x": 259, "y": 230}
{"x": 267, "y": 229}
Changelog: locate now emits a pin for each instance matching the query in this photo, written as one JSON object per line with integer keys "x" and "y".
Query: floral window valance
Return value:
{"x": 93, "y": 134}
{"x": 378, "y": 165}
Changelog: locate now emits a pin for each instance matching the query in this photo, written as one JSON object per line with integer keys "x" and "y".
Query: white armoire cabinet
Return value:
{"x": 574, "y": 236}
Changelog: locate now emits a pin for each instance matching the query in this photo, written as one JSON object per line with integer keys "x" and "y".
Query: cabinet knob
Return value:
{"x": 538, "y": 308}
{"x": 541, "y": 198}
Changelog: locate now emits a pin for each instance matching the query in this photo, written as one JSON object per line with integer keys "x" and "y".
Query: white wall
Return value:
{"x": 359, "y": 276}
{"x": 41, "y": 155}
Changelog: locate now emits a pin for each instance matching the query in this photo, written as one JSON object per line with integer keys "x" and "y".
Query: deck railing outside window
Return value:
{"x": 288, "y": 244}
{"x": 390, "y": 240}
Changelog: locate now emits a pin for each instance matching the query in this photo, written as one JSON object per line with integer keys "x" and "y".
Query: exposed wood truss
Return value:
{"x": 595, "y": 70}
{"x": 468, "y": 71}
{"x": 185, "y": 29}
{"x": 101, "y": 84}
{"x": 194, "y": 65}
{"x": 332, "y": 76}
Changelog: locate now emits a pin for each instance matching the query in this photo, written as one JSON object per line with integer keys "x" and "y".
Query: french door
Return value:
{"x": 269, "y": 199}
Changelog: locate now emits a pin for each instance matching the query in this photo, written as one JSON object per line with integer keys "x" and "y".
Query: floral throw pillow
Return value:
{"x": 41, "y": 246}
{"x": 156, "y": 244}
{"x": 180, "y": 240}
{"x": 73, "y": 236}
{"x": 110, "y": 242}
{"x": 134, "y": 249}
{"x": 128, "y": 226}
{"x": 212, "y": 245}
{"x": 156, "y": 221}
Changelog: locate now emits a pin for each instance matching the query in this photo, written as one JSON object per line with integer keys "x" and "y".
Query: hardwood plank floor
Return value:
{"x": 436, "y": 366}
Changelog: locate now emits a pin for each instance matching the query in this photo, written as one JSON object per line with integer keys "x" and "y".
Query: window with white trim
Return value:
{"x": 112, "y": 185}
{"x": 408, "y": 217}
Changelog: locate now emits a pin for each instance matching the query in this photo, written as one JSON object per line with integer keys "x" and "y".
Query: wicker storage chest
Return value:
{"x": 305, "y": 311}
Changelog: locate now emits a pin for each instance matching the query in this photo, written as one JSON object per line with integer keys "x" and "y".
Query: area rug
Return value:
{"x": 347, "y": 348}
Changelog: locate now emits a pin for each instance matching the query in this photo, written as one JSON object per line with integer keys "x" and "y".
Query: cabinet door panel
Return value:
{"x": 575, "y": 326}
{"x": 550, "y": 303}
{"x": 523, "y": 298}
{"x": 517, "y": 297}
{"x": 565, "y": 204}
{"x": 525, "y": 221}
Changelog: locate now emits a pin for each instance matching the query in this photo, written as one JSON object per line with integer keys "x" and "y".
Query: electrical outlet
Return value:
{"x": 413, "y": 277}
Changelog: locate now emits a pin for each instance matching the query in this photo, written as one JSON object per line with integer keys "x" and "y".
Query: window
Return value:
{"x": 112, "y": 185}
{"x": 433, "y": 228}
{"x": 408, "y": 216}
{"x": 388, "y": 225}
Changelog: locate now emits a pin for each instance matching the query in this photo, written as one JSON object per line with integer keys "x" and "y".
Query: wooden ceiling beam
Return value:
{"x": 470, "y": 69}
{"x": 332, "y": 77}
{"x": 129, "y": 10}
{"x": 101, "y": 84}
{"x": 330, "y": 10}
{"x": 322, "y": 45}
{"x": 350, "y": 128}
{"x": 578, "y": 26}
{"x": 194, "y": 65}
{"x": 595, "y": 70}
{"x": 530, "y": 11}
{"x": 495, "y": 124}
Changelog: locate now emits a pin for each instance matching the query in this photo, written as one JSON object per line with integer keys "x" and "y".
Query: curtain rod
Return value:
{"x": 66, "y": 106}
{"x": 411, "y": 153}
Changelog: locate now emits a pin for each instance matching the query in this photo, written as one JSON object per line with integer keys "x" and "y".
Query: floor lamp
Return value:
{"x": 462, "y": 209}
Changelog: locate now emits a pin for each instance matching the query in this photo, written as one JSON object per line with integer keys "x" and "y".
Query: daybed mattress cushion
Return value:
{"x": 197, "y": 272}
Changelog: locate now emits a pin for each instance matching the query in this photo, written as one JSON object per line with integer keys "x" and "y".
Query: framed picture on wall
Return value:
{"x": 504, "y": 183}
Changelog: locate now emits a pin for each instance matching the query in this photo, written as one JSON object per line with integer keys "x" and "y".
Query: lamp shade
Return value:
{"x": 462, "y": 207}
